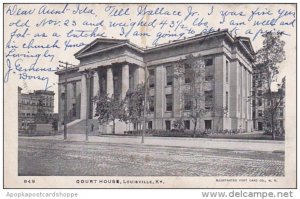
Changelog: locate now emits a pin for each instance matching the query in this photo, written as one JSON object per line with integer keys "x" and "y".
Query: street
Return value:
{"x": 41, "y": 157}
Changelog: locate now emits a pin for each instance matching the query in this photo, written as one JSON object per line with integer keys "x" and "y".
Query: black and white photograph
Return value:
{"x": 149, "y": 95}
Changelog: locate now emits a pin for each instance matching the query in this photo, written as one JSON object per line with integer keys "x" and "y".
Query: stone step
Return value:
{"x": 96, "y": 129}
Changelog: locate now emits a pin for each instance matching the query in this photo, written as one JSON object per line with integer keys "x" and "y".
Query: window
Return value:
{"x": 259, "y": 83}
{"x": 150, "y": 125}
{"x": 259, "y": 93}
{"x": 208, "y": 62}
{"x": 28, "y": 114}
{"x": 208, "y": 124}
{"x": 169, "y": 102}
{"x": 260, "y": 113}
{"x": 281, "y": 112}
{"x": 281, "y": 124}
{"x": 169, "y": 75}
{"x": 186, "y": 124}
{"x": 208, "y": 69}
{"x": 226, "y": 100}
{"x": 62, "y": 96}
{"x": 151, "y": 78}
{"x": 208, "y": 99}
{"x": 74, "y": 89}
{"x": 168, "y": 124}
{"x": 253, "y": 114}
{"x": 151, "y": 103}
{"x": 187, "y": 102}
{"x": 187, "y": 74}
{"x": 259, "y": 102}
{"x": 227, "y": 68}
{"x": 74, "y": 110}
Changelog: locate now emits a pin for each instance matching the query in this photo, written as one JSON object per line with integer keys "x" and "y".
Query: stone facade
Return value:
{"x": 119, "y": 65}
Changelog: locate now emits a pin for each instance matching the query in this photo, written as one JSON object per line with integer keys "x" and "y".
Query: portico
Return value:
{"x": 114, "y": 80}
{"x": 108, "y": 66}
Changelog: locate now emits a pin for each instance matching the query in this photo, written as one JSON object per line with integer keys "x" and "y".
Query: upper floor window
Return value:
{"x": 259, "y": 102}
{"x": 260, "y": 113}
{"x": 208, "y": 69}
{"x": 259, "y": 83}
{"x": 169, "y": 102}
{"x": 151, "y": 78}
{"x": 187, "y": 74}
{"x": 259, "y": 93}
{"x": 74, "y": 89}
{"x": 169, "y": 75}
{"x": 227, "y": 70}
{"x": 227, "y": 100}
{"x": 187, "y": 103}
{"x": 208, "y": 99}
{"x": 151, "y": 103}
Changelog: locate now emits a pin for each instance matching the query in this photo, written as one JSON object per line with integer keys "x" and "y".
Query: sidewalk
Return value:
{"x": 230, "y": 144}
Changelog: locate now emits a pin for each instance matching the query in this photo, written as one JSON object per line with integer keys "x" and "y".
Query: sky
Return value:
{"x": 39, "y": 35}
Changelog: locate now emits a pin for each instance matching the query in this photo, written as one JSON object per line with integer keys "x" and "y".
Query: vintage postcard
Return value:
{"x": 149, "y": 95}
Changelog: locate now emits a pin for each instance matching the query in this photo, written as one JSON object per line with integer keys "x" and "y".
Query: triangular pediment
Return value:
{"x": 247, "y": 43}
{"x": 99, "y": 44}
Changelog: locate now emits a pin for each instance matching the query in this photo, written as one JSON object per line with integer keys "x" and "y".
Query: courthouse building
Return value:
{"x": 119, "y": 65}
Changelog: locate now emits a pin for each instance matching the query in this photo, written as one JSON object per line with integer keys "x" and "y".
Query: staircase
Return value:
{"x": 79, "y": 127}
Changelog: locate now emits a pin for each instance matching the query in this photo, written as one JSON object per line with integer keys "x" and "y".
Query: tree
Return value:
{"x": 108, "y": 109}
{"x": 178, "y": 124}
{"x": 192, "y": 70}
{"x": 272, "y": 108}
{"x": 134, "y": 103}
{"x": 266, "y": 64}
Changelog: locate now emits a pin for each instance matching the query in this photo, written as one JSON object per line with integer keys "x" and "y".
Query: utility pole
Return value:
{"x": 145, "y": 104}
{"x": 65, "y": 67}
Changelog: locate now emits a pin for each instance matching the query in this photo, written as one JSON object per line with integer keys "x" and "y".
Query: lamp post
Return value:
{"x": 65, "y": 67}
{"x": 88, "y": 74}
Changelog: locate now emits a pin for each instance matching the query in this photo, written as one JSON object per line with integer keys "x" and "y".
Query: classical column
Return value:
{"x": 96, "y": 90}
{"x": 139, "y": 75}
{"x": 109, "y": 82}
{"x": 125, "y": 80}
{"x": 83, "y": 97}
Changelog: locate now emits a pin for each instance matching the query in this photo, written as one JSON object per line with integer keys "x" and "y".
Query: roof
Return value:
{"x": 105, "y": 44}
